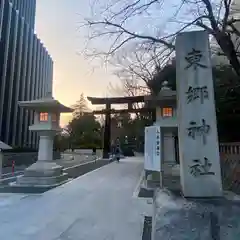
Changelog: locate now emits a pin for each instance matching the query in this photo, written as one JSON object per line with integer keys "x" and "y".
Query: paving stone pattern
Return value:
{"x": 99, "y": 205}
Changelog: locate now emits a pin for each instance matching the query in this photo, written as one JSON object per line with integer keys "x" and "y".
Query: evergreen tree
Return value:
{"x": 80, "y": 107}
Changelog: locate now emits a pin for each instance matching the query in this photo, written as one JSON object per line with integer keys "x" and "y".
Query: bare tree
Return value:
{"x": 142, "y": 75}
{"x": 131, "y": 74}
{"x": 134, "y": 70}
{"x": 145, "y": 24}
{"x": 143, "y": 72}
{"x": 127, "y": 87}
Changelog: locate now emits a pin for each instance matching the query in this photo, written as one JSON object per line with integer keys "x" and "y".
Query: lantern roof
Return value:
{"x": 45, "y": 104}
{"x": 4, "y": 146}
{"x": 164, "y": 94}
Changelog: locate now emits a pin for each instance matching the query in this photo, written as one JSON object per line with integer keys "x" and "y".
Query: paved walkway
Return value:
{"x": 97, "y": 206}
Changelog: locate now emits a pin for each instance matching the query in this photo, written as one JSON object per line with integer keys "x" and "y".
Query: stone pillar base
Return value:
{"x": 153, "y": 180}
{"x": 42, "y": 173}
{"x": 171, "y": 177}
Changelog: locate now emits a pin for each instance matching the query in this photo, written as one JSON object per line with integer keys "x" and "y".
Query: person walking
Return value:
{"x": 117, "y": 149}
{"x": 94, "y": 153}
{"x": 112, "y": 153}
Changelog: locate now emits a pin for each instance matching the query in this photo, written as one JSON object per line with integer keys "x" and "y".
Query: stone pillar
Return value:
{"x": 107, "y": 132}
{"x": 169, "y": 147}
{"x": 45, "y": 151}
{"x": 199, "y": 150}
{"x": 168, "y": 152}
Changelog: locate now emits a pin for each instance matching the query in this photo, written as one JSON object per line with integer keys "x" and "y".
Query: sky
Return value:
{"x": 56, "y": 25}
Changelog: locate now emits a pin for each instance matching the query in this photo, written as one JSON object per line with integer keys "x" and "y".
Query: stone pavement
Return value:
{"x": 100, "y": 205}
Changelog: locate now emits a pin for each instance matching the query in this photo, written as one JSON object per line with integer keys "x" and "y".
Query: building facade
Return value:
{"x": 27, "y": 9}
{"x": 26, "y": 70}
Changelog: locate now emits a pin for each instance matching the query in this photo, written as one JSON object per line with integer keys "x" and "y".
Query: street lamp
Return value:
{"x": 119, "y": 124}
{"x": 126, "y": 139}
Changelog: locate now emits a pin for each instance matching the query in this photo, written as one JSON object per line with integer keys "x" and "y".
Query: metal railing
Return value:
{"x": 230, "y": 166}
{"x": 229, "y": 148}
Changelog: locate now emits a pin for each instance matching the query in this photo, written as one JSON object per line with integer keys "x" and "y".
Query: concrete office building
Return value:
{"x": 27, "y": 9}
{"x": 26, "y": 70}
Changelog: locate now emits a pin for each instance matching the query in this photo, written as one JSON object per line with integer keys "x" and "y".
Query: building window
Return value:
{"x": 43, "y": 117}
{"x": 167, "y": 112}
{"x": 54, "y": 117}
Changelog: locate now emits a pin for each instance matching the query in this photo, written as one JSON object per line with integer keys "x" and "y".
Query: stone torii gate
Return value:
{"x": 108, "y": 111}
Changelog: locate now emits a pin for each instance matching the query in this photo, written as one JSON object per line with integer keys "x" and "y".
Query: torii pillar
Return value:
{"x": 107, "y": 132}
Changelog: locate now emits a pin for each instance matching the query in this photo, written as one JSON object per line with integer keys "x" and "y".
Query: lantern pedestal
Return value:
{"x": 45, "y": 173}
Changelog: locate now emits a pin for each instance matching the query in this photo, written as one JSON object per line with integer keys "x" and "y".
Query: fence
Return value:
{"x": 230, "y": 148}
{"x": 230, "y": 166}
{"x": 23, "y": 158}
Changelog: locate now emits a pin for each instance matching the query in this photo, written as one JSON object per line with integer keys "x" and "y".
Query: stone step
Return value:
{"x": 41, "y": 181}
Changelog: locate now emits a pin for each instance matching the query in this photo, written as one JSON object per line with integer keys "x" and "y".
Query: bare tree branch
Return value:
{"x": 227, "y": 4}
{"x": 115, "y": 23}
{"x": 134, "y": 35}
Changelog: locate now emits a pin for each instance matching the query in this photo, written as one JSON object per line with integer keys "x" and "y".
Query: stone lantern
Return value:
{"x": 45, "y": 172}
{"x": 165, "y": 105}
